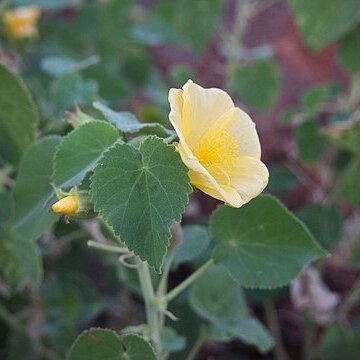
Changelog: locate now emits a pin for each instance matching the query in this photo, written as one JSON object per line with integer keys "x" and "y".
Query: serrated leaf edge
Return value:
{"x": 118, "y": 236}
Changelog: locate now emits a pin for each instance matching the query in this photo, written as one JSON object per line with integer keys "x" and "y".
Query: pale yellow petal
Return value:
{"x": 249, "y": 178}
{"x": 201, "y": 108}
{"x": 244, "y": 130}
{"x": 204, "y": 181}
{"x": 238, "y": 125}
{"x": 176, "y": 104}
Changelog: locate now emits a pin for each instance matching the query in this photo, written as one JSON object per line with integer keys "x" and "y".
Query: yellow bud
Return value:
{"x": 22, "y": 22}
{"x": 67, "y": 206}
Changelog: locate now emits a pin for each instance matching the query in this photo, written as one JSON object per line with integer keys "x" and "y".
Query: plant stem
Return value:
{"x": 309, "y": 328}
{"x": 350, "y": 300}
{"x": 150, "y": 305}
{"x": 273, "y": 323}
{"x": 242, "y": 10}
{"x": 196, "y": 348}
{"x": 108, "y": 248}
{"x": 164, "y": 278}
{"x": 187, "y": 282}
{"x": 162, "y": 288}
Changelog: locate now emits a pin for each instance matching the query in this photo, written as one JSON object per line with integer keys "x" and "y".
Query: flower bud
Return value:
{"x": 75, "y": 204}
{"x": 67, "y": 206}
{"x": 22, "y": 22}
{"x": 77, "y": 118}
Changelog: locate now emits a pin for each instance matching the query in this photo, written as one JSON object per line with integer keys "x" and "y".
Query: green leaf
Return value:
{"x": 20, "y": 346}
{"x": 258, "y": 84}
{"x": 325, "y": 222}
{"x": 216, "y": 297}
{"x": 349, "y": 139}
{"x": 171, "y": 341}
{"x": 338, "y": 344}
{"x": 18, "y": 116}
{"x": 128, "y": 123}
{"x": 281, "y": 180}
{"x": 72, "y": 89}
{"x": 20, "y": 260}
{"x": 195, "y": 242}
{"x": 6, "y": 206}
{"x": 311, "y": 143}
{"x": 180, "y": 74}
{"x": 313, "y": 97}
{"x": 288, "y": 115}
{"x": 203, "y": 16}
{"x": 33, "y": 193}
{"x": 349, "y": 189}
{"x": 323, "y": 21}
{"x": 105, "y": 344}
{"x": 262, "y": 244}
{"x": 347, "y": 51}
{"x": 138, "y": 349}
{"x": 80, "y": 150}
{"x": 95, "y": 344}
{"x": 249, "y": 329}
{"x": 58, "y": 66}
{"x": 140, "y": 193}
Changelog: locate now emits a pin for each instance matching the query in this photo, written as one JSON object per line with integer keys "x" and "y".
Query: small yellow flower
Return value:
{"x": 66, "y": 206}
{"x": 218, "y": 143}
{"x": 22, "y": 22}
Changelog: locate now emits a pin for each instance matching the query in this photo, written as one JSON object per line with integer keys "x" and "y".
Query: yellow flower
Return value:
{"x": 66, "y": 206}
{"x": 218, "y": 143}
{"x": 22, "y": 22}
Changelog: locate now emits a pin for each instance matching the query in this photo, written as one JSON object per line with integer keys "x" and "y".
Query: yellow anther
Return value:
{"x": 217, "y": 149}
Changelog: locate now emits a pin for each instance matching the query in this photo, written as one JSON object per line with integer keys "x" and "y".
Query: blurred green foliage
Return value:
{"x": 108, "y": 58}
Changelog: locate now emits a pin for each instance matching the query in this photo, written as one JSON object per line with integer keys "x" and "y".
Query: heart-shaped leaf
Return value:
{"x": 140, "y": 193}
{"x": 262, "y": 244}
{"x": 106, "y": 344}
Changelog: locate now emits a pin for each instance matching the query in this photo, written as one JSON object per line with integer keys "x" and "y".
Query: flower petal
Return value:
{"x": 249, "y": 178}
{"x": 204, "y": 181}
{"x": 244, "y": 130}
{"x": 176, "y": 104}
{"x": 201, "y": 108}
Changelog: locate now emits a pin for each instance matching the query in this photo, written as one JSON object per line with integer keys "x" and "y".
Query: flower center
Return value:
{"x": 217, "y": 149}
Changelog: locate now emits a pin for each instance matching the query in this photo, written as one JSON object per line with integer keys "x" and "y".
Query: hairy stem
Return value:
{"x": 152, "y": 315}
{"x": 108, "y": 248}
{"x": 273, "y": 323}
{"x": 196, "y": 348}
{"x": 162, "y": 288}
{"x": 189, "y": 281}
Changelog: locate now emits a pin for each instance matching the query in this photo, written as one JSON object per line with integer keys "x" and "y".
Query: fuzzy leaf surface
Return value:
{"x": 106, "y": 344}
{"x": 128, "y": 123}
{"x": 140, "y": 193}
{"x": 80, "y": 150}
{"x": 20, "y": 260}
{"x": 262, "y": 244}
{"x": 33, "y": 193}
{"x": 18, "y": 116}
{"x": 219, "y": 299}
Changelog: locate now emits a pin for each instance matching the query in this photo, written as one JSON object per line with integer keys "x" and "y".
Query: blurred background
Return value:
{"x": 292, "y": 65}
